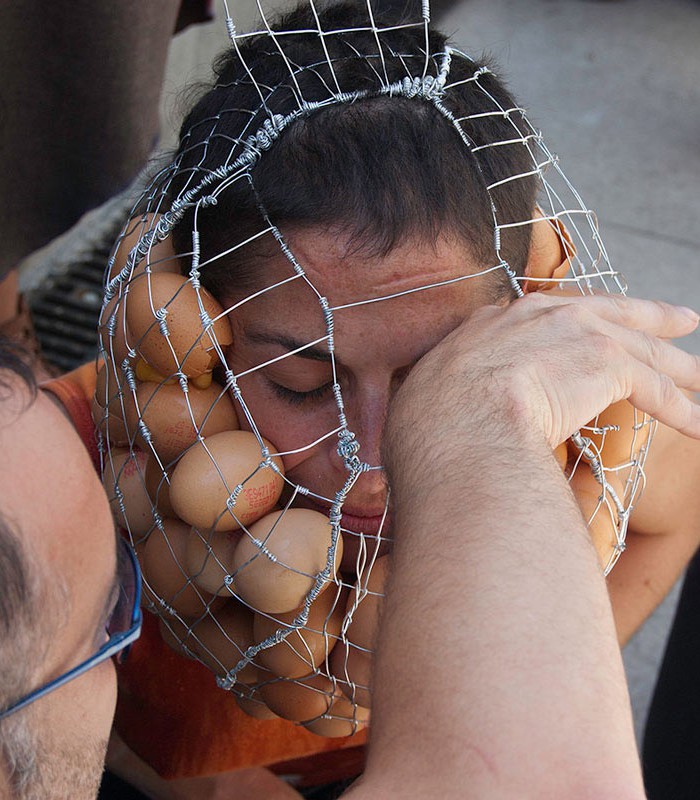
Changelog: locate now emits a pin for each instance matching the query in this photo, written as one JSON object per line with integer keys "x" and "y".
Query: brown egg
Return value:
{"x": 159, "y": 257}
{"x": 112, "y": 397}
{"x": 250, "y": 701}
{"x": 112, "y": 330}
{"x": 298, "y": 539}
{"x": 208, "y": 473}
{"x": 561, "y": 454}
{"x": 298, "y": 700}
{"x": 352, "y": 668}
{"x": 124, "y": 473}
{"x": 598, "y": 511}
{"x": 223, "y": 638}
{"x": 165, "y": 570}
{"x": 342, "y": 719}
{"x": 306, "y": 648}
{"x": 158, "y": 487}
{"x": 188, "y": 347}
{"x": 551, "y": 251}
{"x": 174, "y": 418}
{"x": 362, "y": 630}
{"x": 111, "y": 427}
{"x": 210, "y": 559}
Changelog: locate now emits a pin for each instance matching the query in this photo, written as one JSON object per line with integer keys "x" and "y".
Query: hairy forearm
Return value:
{"x": 498, "y": 666}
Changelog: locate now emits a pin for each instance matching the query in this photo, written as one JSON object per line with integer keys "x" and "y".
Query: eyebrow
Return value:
{"x": 289, "y": 343}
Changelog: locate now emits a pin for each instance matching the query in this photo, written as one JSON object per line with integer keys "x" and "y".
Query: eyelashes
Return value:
{"x": 302, "y": 398}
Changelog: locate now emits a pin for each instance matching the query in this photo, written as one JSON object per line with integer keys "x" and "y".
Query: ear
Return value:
{"x": 551, "y": 251}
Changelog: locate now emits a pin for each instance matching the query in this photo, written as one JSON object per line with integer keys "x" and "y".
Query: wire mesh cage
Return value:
{"x": 255, "y": 290}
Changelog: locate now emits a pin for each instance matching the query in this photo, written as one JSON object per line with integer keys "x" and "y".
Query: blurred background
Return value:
{"x": 615, "y": 87}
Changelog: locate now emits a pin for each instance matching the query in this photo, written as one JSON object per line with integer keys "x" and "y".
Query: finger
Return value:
{"x": 657, "y": 395}
{"x": 663, "y": 357}
{"x": 655, "y": 317}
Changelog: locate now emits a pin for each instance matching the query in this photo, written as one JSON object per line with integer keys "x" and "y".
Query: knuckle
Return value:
{"x": 571, "y": 314}
{"x": 606, "y": 346}
{"x": 653, "y": 348}
{"x": 621, "y": 306}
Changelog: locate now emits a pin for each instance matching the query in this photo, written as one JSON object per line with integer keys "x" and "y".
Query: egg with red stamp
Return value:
{"x": 206, "y": 477}
{"x": 123, "y": 480}
{"x": 279, "y": 560}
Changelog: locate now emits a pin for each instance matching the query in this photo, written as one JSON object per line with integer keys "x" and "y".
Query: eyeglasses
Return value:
{"x": 123, "y": 627}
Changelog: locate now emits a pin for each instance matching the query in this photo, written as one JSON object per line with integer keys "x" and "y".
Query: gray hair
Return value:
{"x": 20, "y": 632}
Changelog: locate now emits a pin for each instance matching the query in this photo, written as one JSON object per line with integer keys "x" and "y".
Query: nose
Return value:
{"x": 366, "y": 419}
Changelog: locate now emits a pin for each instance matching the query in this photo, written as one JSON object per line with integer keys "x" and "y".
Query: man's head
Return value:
{"x": 57, "y": 588}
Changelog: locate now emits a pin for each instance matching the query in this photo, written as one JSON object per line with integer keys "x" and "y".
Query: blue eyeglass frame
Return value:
{"x": 118, "y": 643}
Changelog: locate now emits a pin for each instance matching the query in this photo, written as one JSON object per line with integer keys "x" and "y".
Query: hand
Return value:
{"x": 545, "y": 365}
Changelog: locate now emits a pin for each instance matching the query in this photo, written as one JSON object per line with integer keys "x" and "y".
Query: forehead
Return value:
{"x": 412, "y": 284}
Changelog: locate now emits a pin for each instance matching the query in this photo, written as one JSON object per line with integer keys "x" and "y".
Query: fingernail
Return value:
{"x": 692, "y": 315}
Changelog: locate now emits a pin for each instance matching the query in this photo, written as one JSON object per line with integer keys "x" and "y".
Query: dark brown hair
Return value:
{"x": 381, "y": 169}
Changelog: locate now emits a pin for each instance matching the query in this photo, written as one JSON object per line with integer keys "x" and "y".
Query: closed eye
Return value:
{"x": 294, "y": 397}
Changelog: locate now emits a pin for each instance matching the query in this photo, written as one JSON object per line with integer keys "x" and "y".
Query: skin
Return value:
{"x": 506, "y": 418}
{"x": 566, "y": 654}
{"x": 497, "y": 386}
{"x": 509, "y": 398}
{"x": 64, "y": 519}
{"x": 376, "y": 345}
{"x": 664, "y": 529}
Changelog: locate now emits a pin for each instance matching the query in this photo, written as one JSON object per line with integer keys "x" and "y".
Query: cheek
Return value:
{"x": 84, "y": 707}
{"x": 287, "y": 426}
{"x": 101, "y": 696}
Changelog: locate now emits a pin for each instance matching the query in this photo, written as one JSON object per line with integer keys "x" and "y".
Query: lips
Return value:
{"x": 367, "y": 524}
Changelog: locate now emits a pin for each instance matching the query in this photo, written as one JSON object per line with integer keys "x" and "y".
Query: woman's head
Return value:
{"x": 321, "y": 174}
{"x": 366, "y": 168}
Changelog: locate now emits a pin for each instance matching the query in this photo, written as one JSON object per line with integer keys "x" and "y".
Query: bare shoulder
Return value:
{"x": 670, "y": 498}
{"x": 664, "y": 531}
